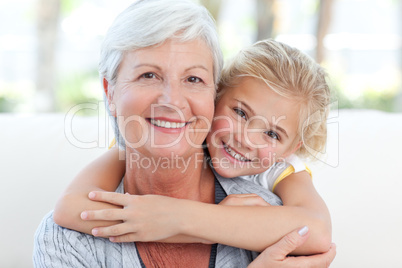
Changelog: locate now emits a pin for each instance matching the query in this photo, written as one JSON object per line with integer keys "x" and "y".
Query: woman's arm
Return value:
{"x": 159, "y": 218}
{"x": 103, "y": 174}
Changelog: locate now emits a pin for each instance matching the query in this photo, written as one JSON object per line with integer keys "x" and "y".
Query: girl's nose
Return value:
{"x": 242, "y": 140}
{"x": 250, "y": 138}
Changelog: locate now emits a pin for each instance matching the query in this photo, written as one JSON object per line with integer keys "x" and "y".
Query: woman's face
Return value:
{"x": 164, "y": 98}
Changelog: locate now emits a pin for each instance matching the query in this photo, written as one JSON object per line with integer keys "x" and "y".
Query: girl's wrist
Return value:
{"x": 188, "y": 218}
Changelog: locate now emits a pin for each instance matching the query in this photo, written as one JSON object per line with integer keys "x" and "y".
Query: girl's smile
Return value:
{"x": 253, "y": 128}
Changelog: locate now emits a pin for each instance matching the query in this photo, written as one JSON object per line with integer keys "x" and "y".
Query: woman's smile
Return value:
{"x": 169, "y": 91}
{"x": 167, "y": 124}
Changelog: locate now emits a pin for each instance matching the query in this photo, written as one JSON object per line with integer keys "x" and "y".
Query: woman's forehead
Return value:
{"x": 173, "y": 46}
{"x": 172, "y": 52}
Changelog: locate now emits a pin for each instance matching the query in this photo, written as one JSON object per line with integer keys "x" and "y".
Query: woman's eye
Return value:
{"x": 241, "y": 113}
{"x": 272, "y": 135}
{"x": 148, "y": 75}
{"x": 194, "y": 79}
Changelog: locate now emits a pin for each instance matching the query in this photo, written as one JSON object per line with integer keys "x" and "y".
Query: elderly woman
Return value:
{"x": 160, "y": 65}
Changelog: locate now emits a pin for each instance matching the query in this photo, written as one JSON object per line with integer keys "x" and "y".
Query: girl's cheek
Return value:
{"x": 267, "y": 156}
{"x": 223, "y": 125}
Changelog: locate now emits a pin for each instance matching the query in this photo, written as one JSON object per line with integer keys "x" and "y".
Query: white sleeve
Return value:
{"x": 277, "y": 172}
{"x": 296, "y": 162}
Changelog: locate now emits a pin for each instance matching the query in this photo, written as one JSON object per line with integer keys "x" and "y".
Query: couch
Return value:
{"x": 358, "y": 177}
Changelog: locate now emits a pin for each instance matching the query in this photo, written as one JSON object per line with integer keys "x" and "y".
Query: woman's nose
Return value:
{"x": 172, "y": 94}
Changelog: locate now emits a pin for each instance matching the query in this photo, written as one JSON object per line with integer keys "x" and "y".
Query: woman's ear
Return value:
{"x": 109, "y": 93}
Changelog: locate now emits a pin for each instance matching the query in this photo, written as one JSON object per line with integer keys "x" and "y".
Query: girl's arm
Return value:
{"x": 103, "y": 174}
{"x": 158, "y": 218}
{"x": 298, "y": 192}
{"x": 258, "y": 227}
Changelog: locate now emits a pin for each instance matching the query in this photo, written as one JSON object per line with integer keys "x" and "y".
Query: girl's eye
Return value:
{"x": 148, "y": 75}
{"x": 272, "y": 135}
{"x": 241, "y": 113}
{"x": 194, "y": 79}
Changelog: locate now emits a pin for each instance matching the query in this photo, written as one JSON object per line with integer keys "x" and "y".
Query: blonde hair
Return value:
{"x": 293, "y": 75}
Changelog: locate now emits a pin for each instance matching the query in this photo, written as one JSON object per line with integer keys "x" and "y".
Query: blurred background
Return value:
{"x": 49, "y": 48}
{"x": 49, "y": 52}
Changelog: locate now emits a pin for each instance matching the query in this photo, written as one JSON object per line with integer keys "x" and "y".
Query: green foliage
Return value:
{"x": 15, "y": 96}
{"x": 378, "y": 100}
{"x": 6, "y": 105}
{"x": 77, "y": 89}
{"x": 370, "y": 99}
{"x": 67, "y": 6}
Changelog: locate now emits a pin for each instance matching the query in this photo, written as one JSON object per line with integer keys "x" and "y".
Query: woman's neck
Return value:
{"x": 179, "y": 177}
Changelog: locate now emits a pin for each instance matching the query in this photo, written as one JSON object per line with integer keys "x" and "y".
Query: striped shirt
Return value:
{"x": 55, "y": 246}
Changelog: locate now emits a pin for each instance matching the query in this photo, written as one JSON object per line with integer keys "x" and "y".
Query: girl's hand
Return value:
{"x": 244, "y": 200}
{"x": 144, "y": 218}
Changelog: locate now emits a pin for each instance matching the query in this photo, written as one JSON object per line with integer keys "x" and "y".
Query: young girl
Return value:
{"x": 271, "y": 104}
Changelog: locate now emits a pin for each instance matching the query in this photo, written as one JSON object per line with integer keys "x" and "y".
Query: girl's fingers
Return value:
{"x": 111, "y": 231}
{"x": 244, "y": 195}
{"x": 131, "y": 237}
{"x": 241, "y": 195}
{"x": 103, "y": 214}
{"x": 109, "y": 197}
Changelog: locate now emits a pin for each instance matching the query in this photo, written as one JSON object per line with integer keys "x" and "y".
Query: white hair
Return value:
{"x": 150, "y": 22}
{"x": 147, "y": 23}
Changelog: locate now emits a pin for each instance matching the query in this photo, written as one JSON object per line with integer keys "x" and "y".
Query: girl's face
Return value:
{"x": 164, "y": 98}
{"x": 253, "y": 127}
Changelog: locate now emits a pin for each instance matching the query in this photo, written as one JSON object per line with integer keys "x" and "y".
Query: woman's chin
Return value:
{"x": 171, "y": 151}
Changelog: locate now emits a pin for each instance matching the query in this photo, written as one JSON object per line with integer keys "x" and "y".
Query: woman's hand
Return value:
{"x": 277, "y": 254}
{"x": 144, "y": 218}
